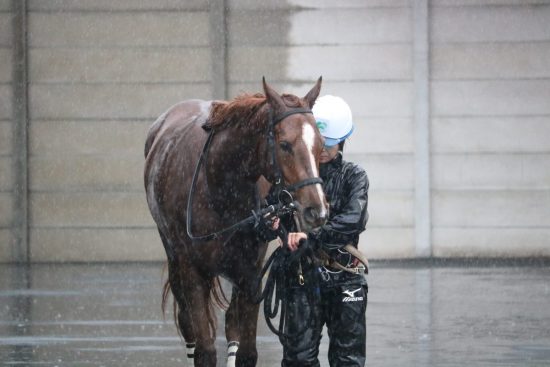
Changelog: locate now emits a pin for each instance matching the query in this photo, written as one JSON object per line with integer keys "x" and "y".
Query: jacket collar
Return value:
{"x": 326, "y": 168}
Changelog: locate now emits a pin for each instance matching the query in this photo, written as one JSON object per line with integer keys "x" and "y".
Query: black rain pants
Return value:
{"x": 342, "y": 309}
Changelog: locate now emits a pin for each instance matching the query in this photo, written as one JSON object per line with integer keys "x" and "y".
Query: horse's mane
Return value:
{"x": 245, "y": 107}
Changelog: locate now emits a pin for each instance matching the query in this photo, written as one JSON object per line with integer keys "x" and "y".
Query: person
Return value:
{"x": 341, "y": 286}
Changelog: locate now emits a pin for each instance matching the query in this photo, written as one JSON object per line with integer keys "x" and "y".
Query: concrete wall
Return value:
{"x": 490, "y": 128}
{"x": 101, "y": 71}
{"x": 7, "y": 240}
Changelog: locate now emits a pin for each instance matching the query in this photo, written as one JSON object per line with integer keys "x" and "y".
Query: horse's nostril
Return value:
{"x": 313, "y": 216}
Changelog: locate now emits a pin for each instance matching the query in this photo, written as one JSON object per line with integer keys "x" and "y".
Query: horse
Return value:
{"x": 204, "y": 165}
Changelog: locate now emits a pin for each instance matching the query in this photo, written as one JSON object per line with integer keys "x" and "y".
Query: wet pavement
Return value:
{"x": 419, "y": 314}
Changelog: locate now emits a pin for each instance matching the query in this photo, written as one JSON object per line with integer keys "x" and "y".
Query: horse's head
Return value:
{"x": 297, "y": 146}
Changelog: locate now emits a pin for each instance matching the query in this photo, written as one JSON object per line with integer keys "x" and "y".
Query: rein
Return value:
{"x": 274, "y": 294}
{"x": 279, "y": 186}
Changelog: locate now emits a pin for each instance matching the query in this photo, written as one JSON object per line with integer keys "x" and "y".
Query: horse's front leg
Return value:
{"x": 247, "y": 355}
{"x": 232, "y": 329}
{"x": 242, "y": 316}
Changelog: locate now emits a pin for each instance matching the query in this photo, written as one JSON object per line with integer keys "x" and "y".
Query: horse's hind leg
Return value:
{"x": 184, "y": 321}
{"x": 197, "y": 297}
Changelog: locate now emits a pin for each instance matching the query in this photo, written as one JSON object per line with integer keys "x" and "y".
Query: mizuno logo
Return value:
{"x": 351, "y": 296}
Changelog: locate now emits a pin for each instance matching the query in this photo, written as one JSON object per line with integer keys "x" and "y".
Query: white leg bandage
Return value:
{"x": 190, "y": 354}
{"x": 232, "y": 348}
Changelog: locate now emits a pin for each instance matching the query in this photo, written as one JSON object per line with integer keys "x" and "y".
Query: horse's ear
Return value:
{"x": 273, "y": 98}
{"x": 312, "y": 95}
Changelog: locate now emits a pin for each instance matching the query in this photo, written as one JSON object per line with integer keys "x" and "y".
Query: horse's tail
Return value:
{"x": 217, "y": 296}
{"x": 175, "y": 308}
{"x": 153, "y": 131}
{"x": 217, "y": 299}
{"x": 165, "y": 294}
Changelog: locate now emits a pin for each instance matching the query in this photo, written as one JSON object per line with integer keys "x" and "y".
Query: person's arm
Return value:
{"x": 345, "y": 227}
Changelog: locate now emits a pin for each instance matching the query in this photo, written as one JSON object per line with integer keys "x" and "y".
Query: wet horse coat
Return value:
{"x": 226, "y": 190}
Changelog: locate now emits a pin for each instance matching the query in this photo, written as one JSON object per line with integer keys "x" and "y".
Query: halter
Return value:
{"x": 278, "y": 183}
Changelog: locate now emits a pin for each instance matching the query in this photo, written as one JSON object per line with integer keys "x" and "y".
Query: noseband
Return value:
{"x": 278, "y": 183}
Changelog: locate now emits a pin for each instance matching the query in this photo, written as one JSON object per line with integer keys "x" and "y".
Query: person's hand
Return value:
{"x": 267, "y": 227}
{"x": 294, "y": 240}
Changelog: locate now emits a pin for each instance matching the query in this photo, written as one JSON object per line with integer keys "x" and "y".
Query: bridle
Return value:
{"x": 278, "y": 180}
{"x": 278, "y": 184}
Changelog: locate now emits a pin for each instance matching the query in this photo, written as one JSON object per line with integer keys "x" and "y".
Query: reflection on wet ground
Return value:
{"x": 418, "y": 315}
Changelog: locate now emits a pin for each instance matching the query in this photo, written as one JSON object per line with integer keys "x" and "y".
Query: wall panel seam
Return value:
{"x": 421, "y": 113}
{"x": 21, "y": 121}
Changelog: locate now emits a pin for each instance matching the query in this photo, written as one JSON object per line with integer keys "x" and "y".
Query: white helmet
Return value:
{"x": 333, "y": 117}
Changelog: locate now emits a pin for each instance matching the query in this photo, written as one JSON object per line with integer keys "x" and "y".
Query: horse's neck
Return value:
{"x": 233, "y": 167}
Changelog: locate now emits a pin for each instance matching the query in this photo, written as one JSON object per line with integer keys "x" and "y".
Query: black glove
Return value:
{"x": 264, "y": 229}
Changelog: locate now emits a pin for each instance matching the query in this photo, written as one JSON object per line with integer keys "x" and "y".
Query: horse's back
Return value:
{"x": 172, "y": 148}
{"x": 186, "y": 113}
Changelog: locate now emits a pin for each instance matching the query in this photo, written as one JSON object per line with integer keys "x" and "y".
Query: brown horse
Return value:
{"x": 203, "y": 163}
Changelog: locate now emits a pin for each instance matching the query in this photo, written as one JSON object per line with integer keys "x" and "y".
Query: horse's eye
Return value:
{"x": 286, "y": 146}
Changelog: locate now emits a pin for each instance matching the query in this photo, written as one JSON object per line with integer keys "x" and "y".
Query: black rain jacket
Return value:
{"x": 346, "y": 188}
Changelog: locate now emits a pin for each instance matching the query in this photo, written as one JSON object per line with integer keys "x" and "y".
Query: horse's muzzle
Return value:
{"x": 314, "y": 217}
